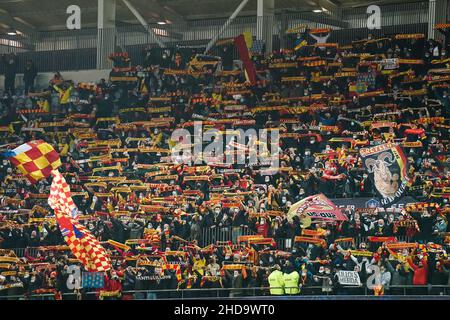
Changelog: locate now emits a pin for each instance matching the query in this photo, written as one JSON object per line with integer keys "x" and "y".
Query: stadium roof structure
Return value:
{"x": 31, "y": 16}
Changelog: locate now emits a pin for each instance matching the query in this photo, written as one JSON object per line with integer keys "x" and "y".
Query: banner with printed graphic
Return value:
{"x": 316, "y": 207}
{"x": 388, "y": 168}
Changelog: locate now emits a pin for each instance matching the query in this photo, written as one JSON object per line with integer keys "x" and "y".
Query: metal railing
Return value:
{"x": 22, "y": 252}
{"x": 285, "y": 244}
{"x": 227, "y": 234}
{"x": 242, "y": 293}
{"x": 77, "y": 49}
{"x": 208, "y": 236}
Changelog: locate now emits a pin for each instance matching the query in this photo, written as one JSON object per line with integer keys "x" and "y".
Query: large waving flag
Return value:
{"x": 84, "y": 246}
{"x": 244, "y": 55}
{"x": 316, "y": 207}
{"x": 35, "y": 159}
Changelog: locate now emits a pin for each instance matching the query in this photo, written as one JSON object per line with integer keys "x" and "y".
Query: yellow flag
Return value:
{"x": 248, "y": 39}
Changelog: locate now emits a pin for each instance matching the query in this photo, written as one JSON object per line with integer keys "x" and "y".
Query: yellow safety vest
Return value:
{"x": 276, "y": 283}
{"x": 291, "y": 282}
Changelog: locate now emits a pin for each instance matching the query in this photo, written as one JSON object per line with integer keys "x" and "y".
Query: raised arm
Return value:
{"x": 389, "y": 266}
{"x": 314, "y": 36}
{"x": 411, "y": 264}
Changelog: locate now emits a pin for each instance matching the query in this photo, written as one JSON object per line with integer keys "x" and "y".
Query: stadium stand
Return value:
{"x": 348, "y": 196}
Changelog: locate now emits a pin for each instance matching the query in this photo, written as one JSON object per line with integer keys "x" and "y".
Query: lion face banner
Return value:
{"x": 388, "y": 169}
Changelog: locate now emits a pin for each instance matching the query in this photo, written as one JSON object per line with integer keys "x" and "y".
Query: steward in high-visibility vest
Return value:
{"x": 291, "y": 280}
{"x": 276, "y": 281}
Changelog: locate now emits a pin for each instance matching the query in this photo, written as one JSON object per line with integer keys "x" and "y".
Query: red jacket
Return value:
{"x": 420, "y": 273}
{"x": 112, "y": 285}
{"x": 262, "y": 229}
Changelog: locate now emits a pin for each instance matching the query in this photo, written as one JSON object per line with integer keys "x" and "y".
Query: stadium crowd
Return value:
{"x": 216, "y": 225}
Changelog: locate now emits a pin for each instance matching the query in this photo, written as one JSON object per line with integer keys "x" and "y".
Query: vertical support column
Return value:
{"x": 437, "y": 13}
{"x": 106, "y": 32}
{"x": 431, "y": 18}
{"x": 264, "y": 22}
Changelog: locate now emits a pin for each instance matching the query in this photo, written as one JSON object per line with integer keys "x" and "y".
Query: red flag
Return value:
{"x": 244, "y": 55}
